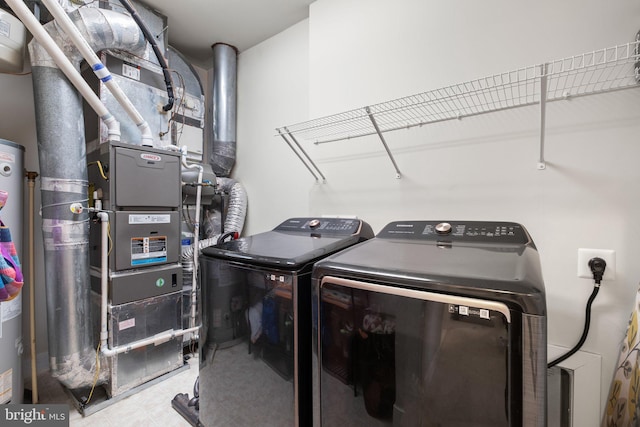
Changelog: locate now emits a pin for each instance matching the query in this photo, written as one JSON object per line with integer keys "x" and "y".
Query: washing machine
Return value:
{"x": 431, "y": 323}
{"x": 255, "y": 345}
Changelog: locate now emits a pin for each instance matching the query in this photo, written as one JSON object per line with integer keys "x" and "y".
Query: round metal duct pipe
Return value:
{"x": 63, "y": 168}
{"x": 223, "y": 149}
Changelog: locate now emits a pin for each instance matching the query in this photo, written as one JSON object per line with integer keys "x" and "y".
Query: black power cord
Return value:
{"x": 161, "y": 59}
{"x": 597, "y": 266}
{"x": 230, "y": 234}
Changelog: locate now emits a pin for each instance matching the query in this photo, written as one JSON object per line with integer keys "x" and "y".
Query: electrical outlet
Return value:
{"x": 608, "y": 255}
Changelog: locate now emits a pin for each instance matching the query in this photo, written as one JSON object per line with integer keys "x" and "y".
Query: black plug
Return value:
{"x": 597, "y": 266}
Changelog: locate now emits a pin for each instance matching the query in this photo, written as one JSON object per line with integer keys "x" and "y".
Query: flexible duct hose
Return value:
{"x": 235, "y": 216}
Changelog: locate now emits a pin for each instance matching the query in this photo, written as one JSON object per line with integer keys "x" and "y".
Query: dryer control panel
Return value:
{"x": 457, "y": 231}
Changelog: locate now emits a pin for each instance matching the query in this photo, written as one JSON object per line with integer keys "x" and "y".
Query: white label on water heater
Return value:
{"x": 149, "y": 219}
{"x": 6, "y": 386}
{"x": 7, "y": 157}
{"x": 131, "y": 71}
{"x": 11, "y": 309}
{"x": 5, "y": 28}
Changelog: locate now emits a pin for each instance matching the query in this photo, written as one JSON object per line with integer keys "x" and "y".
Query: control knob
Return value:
{"x": 443, "y": 228}
{"x": 314, "y": 223}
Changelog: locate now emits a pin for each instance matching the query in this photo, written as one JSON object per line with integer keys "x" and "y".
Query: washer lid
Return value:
{"x": 294, "y": 243}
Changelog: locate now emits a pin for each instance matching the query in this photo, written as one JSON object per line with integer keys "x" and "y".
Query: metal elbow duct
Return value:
{"x": 65, "y": 221}
{"x": 103, "y": 29}
{"x": 223, "y": 149}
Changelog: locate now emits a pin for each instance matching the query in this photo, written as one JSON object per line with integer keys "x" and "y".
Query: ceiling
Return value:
{"x": 194, "y": 25}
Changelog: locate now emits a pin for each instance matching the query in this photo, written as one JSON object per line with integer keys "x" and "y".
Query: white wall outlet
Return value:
{"x": 608, "y": 255}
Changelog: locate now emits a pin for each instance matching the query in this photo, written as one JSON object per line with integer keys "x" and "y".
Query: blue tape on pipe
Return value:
{"x": 102, "y": 73}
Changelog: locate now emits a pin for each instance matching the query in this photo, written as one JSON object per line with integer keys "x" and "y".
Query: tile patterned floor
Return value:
{"x": 151, "y": 407}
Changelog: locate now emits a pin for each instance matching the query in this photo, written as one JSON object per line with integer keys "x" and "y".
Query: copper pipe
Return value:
{"x": 31, "y": 177}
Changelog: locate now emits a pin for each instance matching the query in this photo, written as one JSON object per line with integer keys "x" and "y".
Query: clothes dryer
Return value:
{"x": 431, "y": 323}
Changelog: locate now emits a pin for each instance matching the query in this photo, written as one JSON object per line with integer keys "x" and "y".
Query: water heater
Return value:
{"x": 12, "y": 40}
{"x": 11, "y": 181}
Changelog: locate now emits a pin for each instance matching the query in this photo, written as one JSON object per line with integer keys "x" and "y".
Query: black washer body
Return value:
{"x": 255, "y": 345}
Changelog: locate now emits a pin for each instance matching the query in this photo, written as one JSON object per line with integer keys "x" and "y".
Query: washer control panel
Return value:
{"x": 341, "y": 226}
{"x": 457, "y": 231}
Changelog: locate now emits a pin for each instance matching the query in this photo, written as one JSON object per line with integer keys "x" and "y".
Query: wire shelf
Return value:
{"x": 594, "y": 72}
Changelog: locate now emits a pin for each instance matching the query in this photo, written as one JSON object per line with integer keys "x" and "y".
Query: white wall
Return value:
{"x": 367, "y": 51}
{"x": 272, "y": 87}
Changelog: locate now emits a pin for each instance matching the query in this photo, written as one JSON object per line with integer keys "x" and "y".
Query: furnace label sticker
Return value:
{"x": 131, "y": 71}
{"x": 148, "y": 250}
{"x": 126, "y": 324}
{"x": 151, "y": 157}
{"x": 149, "y": 219}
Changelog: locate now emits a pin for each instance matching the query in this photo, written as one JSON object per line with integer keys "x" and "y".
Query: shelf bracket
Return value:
{"x": 543, "y": 113}
{"x": 302, "y": 154}
{"x": 384, "y": 143}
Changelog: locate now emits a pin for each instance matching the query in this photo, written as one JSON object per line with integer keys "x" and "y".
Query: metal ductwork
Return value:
{"x": 62, "y": 156}
{"x": 234, "y": 220}
{"x": 237, "y": 210}
{"x": 223, "y": 147}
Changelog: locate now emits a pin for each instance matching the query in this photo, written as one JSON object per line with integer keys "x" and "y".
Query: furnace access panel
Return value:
{"x": 140, "y": 188}
{"x": 138, "y": 177}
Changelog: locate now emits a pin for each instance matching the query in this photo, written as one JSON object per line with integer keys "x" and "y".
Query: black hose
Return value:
{"x": 152, "y": 41}
{"x": 585, "y": 332}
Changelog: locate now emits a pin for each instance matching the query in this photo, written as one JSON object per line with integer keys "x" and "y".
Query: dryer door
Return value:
{"x": 394, "y": 356}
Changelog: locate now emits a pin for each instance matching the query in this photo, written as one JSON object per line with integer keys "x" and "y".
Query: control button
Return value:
{"x": 443, "y": 228}
{"x": 314, "y": 223}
